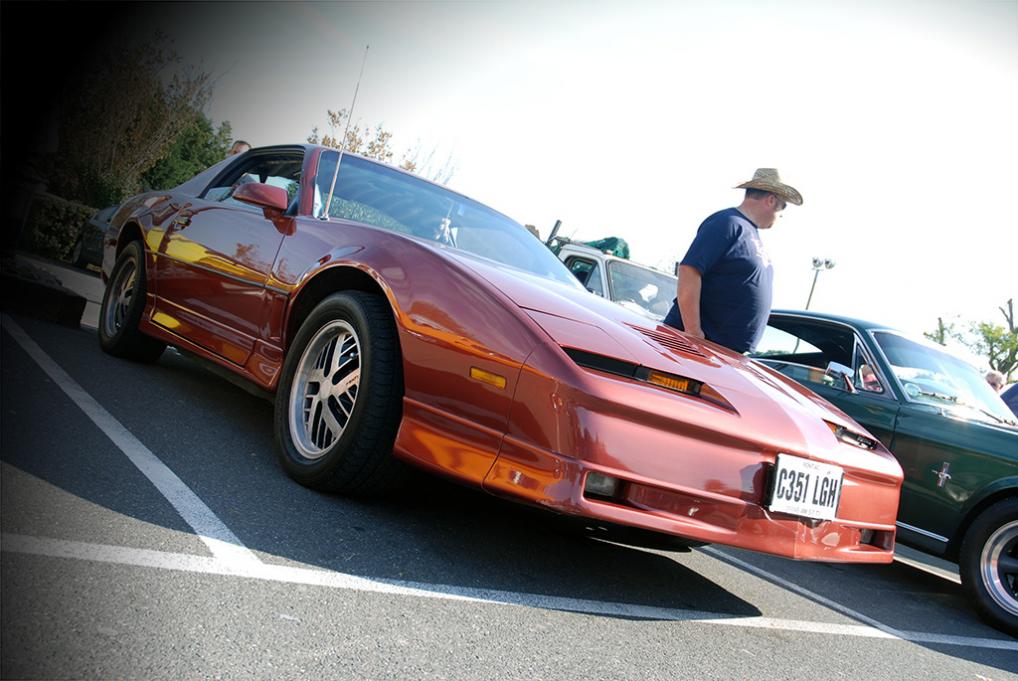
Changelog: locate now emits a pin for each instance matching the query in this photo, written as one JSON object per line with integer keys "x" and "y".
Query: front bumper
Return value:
{"x": 556, "y": 482}
{"x": 688, "y": 468}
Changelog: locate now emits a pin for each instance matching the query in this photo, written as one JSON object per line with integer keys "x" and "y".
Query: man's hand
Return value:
{"x": 688, "y": 296}
{"x": 696, "y": 333}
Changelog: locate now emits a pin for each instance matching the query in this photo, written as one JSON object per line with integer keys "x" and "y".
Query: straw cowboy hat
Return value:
{"x": 768, "y": 180}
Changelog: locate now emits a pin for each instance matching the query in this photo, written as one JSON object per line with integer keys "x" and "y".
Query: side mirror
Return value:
{"x": 264, "y": 195}
{"x": 836, "y": 370}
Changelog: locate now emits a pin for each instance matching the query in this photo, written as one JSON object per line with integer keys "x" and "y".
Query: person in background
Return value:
{"x": 995, "y": 379}
{"x": 725, "y": 279}
{"x": 239, "y": 147}
{"x": 869, "y": 380}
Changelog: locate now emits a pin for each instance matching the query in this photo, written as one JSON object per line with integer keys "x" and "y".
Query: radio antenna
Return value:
{"x": 342, "y": 145}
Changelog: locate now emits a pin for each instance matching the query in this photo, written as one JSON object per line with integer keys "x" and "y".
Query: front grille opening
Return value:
{"x": 881, "y": 539}
{"x": 601, "y": 487}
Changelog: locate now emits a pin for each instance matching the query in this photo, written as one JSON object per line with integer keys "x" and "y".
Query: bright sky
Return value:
{"x": 895, "y": 120}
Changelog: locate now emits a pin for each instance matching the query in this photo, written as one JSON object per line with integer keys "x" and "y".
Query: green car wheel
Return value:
{"x": 989, "y": 564}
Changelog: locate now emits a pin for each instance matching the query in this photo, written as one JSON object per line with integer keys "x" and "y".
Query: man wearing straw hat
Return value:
{"x": 725, "y": 279}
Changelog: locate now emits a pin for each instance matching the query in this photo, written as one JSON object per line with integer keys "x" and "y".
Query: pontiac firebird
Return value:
{"x": 397, "y": 322}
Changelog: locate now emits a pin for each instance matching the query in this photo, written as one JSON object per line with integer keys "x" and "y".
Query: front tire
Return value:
{"x": 989, "y": 565}
{"x": 339, "y": 402}
{"x": 122, "y": 307}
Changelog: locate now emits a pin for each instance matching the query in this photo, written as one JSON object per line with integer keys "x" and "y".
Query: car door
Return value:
{"x": 216, "y": 256}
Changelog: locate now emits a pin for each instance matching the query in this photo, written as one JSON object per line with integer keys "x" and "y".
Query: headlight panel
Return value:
{"x": 660, "y": 379}
{"x": 852, "y": 438}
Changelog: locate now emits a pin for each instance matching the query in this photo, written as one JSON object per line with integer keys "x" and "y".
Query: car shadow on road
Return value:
{"x": 218, "y": 439}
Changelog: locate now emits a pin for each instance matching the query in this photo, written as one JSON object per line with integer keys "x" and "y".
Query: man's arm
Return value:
{"x": 688, "y": 297}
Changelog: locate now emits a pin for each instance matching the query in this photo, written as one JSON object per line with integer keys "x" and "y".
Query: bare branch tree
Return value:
{"x": 376, "y": 143}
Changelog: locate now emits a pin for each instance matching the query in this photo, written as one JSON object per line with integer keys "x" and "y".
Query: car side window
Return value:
{"x": 776, "y": 343}
{"x": 588, "y": 272}
{"x": 281, "y": 170}
{"x": 866, "y": 377}
{"x": 802, "y": 349}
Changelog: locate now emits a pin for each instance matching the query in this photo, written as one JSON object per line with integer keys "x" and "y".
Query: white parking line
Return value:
{"x": 890, "y": 632}
{"x": 232, "y": 558}
{"x": 790, "y": 586}
{"x": 119, "y": 555}
{"x": 223, "y": 544}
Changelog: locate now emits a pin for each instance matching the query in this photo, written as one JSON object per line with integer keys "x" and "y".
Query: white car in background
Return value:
{"x": 642, "y": 289}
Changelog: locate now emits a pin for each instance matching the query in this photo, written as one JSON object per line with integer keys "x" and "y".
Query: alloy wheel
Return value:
{"x": 324, "y": 389}
{"x": 121, "y": 290}
{"x": 998, "y": 565}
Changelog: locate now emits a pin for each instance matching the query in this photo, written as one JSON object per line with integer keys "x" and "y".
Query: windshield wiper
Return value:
{"x": 998, "y": 419}
{"x": 939, "y": 396}
{"x": 953, "y": 399}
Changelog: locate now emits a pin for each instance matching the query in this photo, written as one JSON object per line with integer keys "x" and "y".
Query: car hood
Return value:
{"x": 792, "y": 416}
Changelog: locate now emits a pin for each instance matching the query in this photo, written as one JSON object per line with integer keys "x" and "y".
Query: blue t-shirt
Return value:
{"x": 735, "y": 296}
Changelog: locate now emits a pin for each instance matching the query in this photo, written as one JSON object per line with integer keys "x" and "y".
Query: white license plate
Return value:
{"x": 807, "y": 488}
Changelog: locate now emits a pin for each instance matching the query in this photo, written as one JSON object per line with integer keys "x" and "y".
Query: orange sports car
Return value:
{"x": 398, "y": 322}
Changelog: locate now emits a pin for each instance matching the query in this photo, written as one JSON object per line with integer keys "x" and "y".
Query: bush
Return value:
{"x": 53, "y": 225}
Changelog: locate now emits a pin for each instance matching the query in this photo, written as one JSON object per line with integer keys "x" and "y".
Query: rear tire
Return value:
{"x": 77, "y": 254}
{"x": 122, "y": 307}
{"x": 340, "y": 397}
{"x": 989, "y": 565}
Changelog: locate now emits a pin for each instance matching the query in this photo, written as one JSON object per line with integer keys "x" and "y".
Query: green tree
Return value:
{"x": 998, "y": 344}
{"x": 197, "y": 147}
{"x": 942, "y": 333}
{"x": 121, "y": 113}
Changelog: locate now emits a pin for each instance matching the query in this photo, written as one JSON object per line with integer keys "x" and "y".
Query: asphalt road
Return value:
{"x": 148, "y": 532}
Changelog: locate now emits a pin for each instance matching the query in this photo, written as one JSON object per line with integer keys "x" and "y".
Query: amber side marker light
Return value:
{"x": 677, "y": 383}
{"x": 487, "y": 377}
{"x": 686, "y": 386}
{"x": 848, "y": 437}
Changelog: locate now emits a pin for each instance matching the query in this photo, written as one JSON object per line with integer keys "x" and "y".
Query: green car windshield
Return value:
{"x": 380, "y": 196}
{"x": 931, "y": 376}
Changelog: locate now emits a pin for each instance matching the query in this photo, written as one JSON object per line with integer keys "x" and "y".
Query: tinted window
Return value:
{"x": 281, "y": 170}
{"x": 374, "y": 194}
{"x": 588, "y": 273}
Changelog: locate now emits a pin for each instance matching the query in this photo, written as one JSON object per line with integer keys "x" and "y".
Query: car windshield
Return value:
{"x": 932, "y": 376}
{"x": 641, "y": 289}
{"x": 374, "y": 194}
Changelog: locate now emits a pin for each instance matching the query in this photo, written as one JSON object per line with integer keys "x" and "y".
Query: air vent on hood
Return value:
{"x": 670, "y": 341}
{"x": 609, "y": 365}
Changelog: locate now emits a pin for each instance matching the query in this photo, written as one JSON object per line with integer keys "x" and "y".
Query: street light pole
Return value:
{"x": 818, "y": 264}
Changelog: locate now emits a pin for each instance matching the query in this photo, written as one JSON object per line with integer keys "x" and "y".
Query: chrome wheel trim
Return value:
{"x": 324, "y": 389}
{"x": 119, "y": 299}
{"x": 998, "y": 567}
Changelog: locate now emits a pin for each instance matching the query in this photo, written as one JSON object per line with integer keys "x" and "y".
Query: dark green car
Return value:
{"x": 956, "y": 440}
